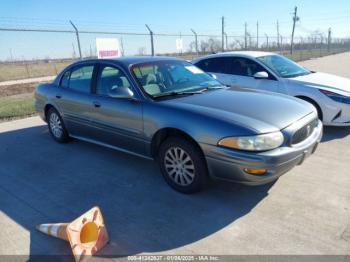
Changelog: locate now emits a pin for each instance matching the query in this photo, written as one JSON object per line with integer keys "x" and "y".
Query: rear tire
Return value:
{"x": 182, "y": 165}
{"x": 56, "y": 126}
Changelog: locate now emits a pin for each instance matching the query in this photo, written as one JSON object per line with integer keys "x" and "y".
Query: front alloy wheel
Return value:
{"x": 182, "y": 165}
{"x": 179, "y": 166}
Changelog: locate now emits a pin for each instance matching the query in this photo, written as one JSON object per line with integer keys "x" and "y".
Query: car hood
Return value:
{"x": 329, "y": 82}
{"x": 261, "y": 111}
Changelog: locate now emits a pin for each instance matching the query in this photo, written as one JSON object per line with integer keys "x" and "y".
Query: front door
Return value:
{"x": 244, "y": 69}
{"x": 117, "y": 121}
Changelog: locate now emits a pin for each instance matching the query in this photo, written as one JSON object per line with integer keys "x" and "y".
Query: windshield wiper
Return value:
{"x": 217, "y": 86}
{"x": 213, "y": 87}
{"x": 296, "y": 75}
{"x": 184, "y": 93}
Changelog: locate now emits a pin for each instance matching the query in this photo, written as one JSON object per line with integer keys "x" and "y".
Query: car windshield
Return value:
{"x": 163, "y": 78}
{"x": 283, "y": 67}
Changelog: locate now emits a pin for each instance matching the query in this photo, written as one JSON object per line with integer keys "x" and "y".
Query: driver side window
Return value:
{"x": 109, "y": 79}
{"x": 246, "y": 67}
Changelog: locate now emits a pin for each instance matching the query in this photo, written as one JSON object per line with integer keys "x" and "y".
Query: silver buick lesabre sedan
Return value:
{"x": 169, "y": 110}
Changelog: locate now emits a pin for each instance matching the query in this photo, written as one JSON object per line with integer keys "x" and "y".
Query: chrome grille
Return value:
{"x": 304, "y": 132}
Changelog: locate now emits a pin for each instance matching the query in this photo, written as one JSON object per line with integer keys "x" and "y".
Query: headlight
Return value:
{"x": 254, "y": 143}
{"x": 336, "y": 97}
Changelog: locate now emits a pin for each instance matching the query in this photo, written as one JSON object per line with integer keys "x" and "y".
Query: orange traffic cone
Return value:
{"x": 87, "y": 234}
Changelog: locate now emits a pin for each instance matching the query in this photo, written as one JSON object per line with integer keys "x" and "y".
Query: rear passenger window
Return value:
{"x": 80, "y": 79}
{"x": 221, "y": 65}
{"x": 65, "y": 79}
{"x": 110, "y": 78}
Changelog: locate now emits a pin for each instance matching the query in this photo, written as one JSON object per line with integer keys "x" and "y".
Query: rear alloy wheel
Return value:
{"x": 56, "y": 126}
{"x": 182, "y": 165}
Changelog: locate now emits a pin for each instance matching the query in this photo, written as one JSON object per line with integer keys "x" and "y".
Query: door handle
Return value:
{"x": 58, "y": 96}
{"x": 96, "y": 104}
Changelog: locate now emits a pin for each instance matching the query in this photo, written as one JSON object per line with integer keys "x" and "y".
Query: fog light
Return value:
{"x": 255, "y": 171}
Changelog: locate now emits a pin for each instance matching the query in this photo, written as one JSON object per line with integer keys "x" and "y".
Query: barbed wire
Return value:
{"x": 60, "y": 25}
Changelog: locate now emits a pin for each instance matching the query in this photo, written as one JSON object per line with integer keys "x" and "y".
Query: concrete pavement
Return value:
{"x": 307, "y": 211}
{"x": 334, "y": 64}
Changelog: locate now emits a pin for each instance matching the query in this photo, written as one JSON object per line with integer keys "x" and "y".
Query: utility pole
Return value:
{"x": 122, "y": 46}
{"x": 267, "y": 41}
{"x": 329, "y": 40}
{"x": 281, "y": 44}
{"x": 78, "y": 39}
{"x": 278, "y": 35}
{"x": 151, "y": 35}
{"x": 295, "y": 19}
{"x": 181, "y": 44}
{"x": 222, "y": 33}
{"x": 245, "y": 36}
{"x": 196, "y": 40}
{"x": 226, "y": 41}
{"x": 257, "y": 35}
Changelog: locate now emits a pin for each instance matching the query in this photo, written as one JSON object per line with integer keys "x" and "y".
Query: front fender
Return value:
{"x": 199, "y": 126}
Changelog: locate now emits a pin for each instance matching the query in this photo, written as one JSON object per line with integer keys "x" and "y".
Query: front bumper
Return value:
{"x": 228, "y": 164}
{"x": 336, "y": 114}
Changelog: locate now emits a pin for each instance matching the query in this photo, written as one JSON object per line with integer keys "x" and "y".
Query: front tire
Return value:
{"x": 182, "y": 165}
{"x": 56, "y": 126}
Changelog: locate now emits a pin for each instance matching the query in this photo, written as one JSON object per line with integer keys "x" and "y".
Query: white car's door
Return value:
{"x": 239, "y": 72}
{"x": 220, "y": 68}
{"x": 244, "y": 69}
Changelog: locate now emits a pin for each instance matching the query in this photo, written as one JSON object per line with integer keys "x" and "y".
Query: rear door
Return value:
{"x": 116, "y": 121}
{"x": 74, "y": 99}
{"x": 220, "y": 67}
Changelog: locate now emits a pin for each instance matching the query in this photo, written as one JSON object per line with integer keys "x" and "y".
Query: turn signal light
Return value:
{"x": 255, "y": 171}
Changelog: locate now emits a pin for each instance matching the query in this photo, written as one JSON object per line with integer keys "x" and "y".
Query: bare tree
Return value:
{"x": 192, "y": 46}
{"x": 141, "y": 50}
{"x": 204, "y": 46}
{"x": 232, "y": 46}
{"x": 239, "y": 43}
{"x": 214, "y": 45}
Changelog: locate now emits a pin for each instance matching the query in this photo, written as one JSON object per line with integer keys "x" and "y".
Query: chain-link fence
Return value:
{"x": 41, "y": 52}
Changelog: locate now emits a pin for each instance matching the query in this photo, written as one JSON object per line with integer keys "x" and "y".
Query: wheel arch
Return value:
{"x": 166, "y": 132}
{"x": 47, "y": 108}
{"x": 314, "y": 103}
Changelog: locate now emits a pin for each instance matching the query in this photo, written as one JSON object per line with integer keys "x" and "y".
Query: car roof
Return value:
{"x": 250, "y": 54}
{"x": 129, "y": 60}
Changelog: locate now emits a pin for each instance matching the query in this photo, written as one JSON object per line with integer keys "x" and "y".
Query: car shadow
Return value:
{"x": 334, "y": 132}
{"x": 46, "y": 182}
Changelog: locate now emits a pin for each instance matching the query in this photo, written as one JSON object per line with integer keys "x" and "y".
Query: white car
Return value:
{"x": 330, "y": 94}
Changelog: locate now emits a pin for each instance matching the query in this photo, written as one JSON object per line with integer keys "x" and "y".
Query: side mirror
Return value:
{"x": 121, "y": 92}
{"x": 261, "y": 75}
